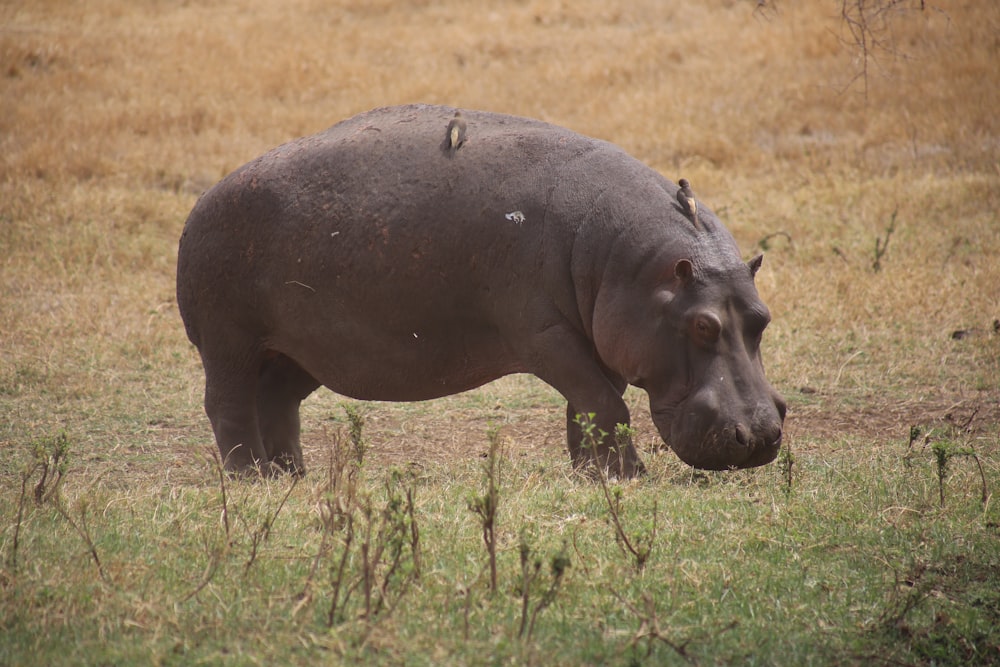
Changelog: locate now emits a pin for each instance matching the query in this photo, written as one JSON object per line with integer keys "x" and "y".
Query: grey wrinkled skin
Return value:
{"x": 373, "y": 260}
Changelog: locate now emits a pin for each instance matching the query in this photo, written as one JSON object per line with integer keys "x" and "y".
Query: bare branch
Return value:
{"x": 869, "y": 26}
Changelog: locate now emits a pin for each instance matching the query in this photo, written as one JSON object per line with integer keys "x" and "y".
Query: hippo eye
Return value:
{"x": 705, "y": 328}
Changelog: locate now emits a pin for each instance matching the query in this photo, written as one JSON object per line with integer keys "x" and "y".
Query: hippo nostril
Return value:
{"x": 742, "y": 435}
{"x": 776, "y": 440}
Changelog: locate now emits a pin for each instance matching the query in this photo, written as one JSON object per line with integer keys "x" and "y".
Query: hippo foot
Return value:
{"x": 286, "y": 464}
{"x": 612, "y": 466}
{"x": 267, "y": 470}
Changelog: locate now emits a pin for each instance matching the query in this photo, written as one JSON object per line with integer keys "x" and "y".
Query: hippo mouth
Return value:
{"x": 726, "y": 451}
{"x": 711, "y": 447}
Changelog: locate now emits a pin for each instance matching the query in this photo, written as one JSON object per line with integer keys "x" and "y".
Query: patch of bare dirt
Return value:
{"x": 395, "y": 437}
{"x": 880, "y": 418}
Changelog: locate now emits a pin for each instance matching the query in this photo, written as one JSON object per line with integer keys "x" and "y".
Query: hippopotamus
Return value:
{"x": 387, "y": 261}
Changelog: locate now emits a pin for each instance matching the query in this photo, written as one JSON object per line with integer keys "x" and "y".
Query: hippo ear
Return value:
{"x": 754, "y": 265}
{"x": 684, "y": 271}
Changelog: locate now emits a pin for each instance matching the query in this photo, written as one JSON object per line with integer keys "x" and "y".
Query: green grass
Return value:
{"x": 856, "y": 563}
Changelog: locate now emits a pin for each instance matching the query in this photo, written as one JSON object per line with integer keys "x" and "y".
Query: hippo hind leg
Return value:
{"x": 230, "y": 403}
{"x": 281, "y": 387}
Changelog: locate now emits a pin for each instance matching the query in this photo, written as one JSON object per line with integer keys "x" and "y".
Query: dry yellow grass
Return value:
{"x": 157, "y": 92}
{"x": 114, "y": 115}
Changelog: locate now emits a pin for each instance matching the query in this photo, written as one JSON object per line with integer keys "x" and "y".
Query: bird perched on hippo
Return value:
{"x": 364, "y": 260}
{"x": 688, "y": 204}
{"x": 455, "y": 136}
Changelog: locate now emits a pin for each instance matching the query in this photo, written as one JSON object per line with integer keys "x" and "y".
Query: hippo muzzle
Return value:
{"x": 706, "y": 432}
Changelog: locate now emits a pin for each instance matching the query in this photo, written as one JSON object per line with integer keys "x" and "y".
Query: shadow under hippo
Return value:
{"x": 388, "y": 261}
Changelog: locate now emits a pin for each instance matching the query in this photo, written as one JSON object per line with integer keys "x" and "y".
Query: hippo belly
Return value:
{"x": 418, "y": 363}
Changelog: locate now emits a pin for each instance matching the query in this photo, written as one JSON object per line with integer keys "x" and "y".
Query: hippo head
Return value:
{"x": 728, "y": 415}
{"x": 696, "y": 352}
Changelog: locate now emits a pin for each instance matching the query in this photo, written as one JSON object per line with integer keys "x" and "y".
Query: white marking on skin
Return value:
{"x": 334, "y": 234}
{"x": 296, "y": 282}
{"x": 516, "y": 217}
{"x": 414, "y": 334}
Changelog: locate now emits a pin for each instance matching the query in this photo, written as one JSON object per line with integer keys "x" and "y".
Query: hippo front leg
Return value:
{"x": 567, "y": 363}
{"x": 618, "y": 458}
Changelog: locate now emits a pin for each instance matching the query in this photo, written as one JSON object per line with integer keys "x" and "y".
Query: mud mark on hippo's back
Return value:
{"x": 516, "y": 217}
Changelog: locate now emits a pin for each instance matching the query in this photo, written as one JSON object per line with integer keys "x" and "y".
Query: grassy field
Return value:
{"x": 873, "y": 540}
